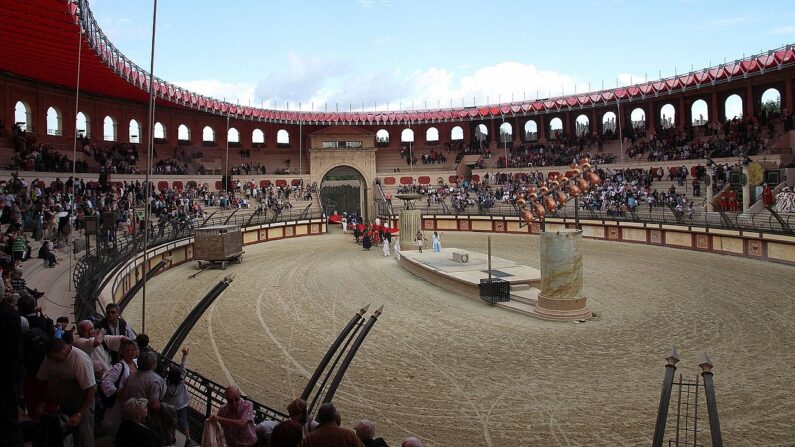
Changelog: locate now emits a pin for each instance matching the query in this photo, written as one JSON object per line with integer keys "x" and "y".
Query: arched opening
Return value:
{"x": 183, "y": 133}
{"x": 506, "y": 133}
{"x": 22, "y": 115}
{"x": 82, "y": 125}
{"x": 733, "y": 108}
{"x": 258, "y": 137}
{"x": 432, "y": 136}
{"x": 343, "y": 190}
{"x": 282, "y": 138}
{"x": 382, "y": 138}
{"x": 109, "y": 132}
{"x": 407, "y": 136}
{"x": 582, "y": 125}
{"x": 531, "y": 131}
{"x": 135, "y": 132}
{"x": 457, "y": 134}
{"x": 208, "y": 135}
{"x": 609, "y": 124}
{"x": 555, "y": 125}
{"x": 481, "y": 132}
{"x": 233, "y": 136}
{"x": 638, "y": 119}
{"x": 699, "y": 113}
{"x": 160, "y": 131}
{"x": 771, "y": 101}
{"x": 667, "y": 116}
{"x": 54, "y": 122}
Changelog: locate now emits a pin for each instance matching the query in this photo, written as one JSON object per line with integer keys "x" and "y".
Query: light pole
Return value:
{"x": 149, "y": 151}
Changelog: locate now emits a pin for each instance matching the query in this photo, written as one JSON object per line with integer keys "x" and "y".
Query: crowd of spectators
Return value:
{"x": 29, "y": 155}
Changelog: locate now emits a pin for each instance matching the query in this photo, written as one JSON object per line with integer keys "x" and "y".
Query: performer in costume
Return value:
{"x": 437, "y": 242}
{"x": 767, "y": 195}
{"x": 420, "y": 240}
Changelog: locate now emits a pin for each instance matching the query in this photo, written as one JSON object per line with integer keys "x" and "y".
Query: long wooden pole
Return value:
{"x": 489, "y": 258}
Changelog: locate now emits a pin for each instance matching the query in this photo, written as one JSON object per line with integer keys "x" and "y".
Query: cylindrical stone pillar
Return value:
{"x": 561, "y": 277}
{"x": 410, "y": 223}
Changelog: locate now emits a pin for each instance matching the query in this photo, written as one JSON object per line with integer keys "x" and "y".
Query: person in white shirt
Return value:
{"x": 72, "y": 385}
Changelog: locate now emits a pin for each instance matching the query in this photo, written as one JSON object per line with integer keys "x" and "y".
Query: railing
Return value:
{"x": 205, "y": 397}
{"x": 92, "y": 269}
{"x": 761, "y": 222}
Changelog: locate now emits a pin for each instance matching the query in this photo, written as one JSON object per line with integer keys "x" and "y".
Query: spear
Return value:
{"x": 331, "y": 350}
{"x": 351, "y": 353}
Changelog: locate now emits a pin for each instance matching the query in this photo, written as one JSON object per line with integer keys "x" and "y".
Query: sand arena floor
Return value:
{"x": 457, "y": 372}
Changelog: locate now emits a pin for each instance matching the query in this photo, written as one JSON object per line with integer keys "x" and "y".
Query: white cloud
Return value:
{"x": 625, "y": 79}
{"x": 328, "y": 84}
{"x": 231, "y": 91}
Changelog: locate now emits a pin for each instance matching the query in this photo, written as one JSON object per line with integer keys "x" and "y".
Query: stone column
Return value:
{"x": 410, "y": 223}
{"x": 746, "y": 191}
{"x": 561, "y": 277}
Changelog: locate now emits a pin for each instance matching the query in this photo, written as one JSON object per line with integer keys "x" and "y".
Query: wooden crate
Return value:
{"x": 218, "y": 243}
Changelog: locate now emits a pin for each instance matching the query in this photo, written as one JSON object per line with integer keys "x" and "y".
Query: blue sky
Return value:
{"x": 394, "y": 52}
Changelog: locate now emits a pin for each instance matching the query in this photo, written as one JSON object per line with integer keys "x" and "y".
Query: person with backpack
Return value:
{"x": 177, "y": 395}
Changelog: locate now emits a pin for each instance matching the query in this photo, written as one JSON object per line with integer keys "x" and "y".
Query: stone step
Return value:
{"x": 516, "y": 306}
{"x": 528, "y": 296}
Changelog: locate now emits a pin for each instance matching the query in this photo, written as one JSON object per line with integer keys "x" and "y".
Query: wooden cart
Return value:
{"x": 218, "y": 245}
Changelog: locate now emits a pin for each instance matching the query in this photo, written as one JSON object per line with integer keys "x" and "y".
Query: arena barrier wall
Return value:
{"x": 748, "y": 244}
{"x": 178, "y": 252}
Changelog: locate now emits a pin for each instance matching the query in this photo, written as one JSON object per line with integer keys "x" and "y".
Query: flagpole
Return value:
{"x": 149, "y": 152}
{"x": 73, "y": 210}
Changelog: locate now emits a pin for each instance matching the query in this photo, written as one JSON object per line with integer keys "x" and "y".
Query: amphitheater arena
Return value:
{"x": 452, "y": 370}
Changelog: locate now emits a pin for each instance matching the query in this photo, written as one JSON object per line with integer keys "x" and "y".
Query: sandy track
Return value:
{"x": 458, "y": 373}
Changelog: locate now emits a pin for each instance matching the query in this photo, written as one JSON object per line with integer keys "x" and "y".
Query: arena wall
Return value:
{"x": 118, "y": 282}
{"x": 748, "y": 244}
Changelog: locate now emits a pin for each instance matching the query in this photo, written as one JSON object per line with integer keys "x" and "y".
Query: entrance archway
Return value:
{"x": 343, "y": 189}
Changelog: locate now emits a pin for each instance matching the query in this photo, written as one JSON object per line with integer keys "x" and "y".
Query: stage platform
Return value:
{"x": 464, "y": 278}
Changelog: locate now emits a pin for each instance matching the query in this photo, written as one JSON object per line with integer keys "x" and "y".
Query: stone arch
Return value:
{"x": 531, "y": 130}
{"x": 555, "y": 124}
{"x": 82, "y": 125}
{"x": 770, "y": 101}
{"x": 733, "y": 107}
{"x": 23, "y": 116}
{"x": 54, "y": 121}
{"x": 457, "y": 133}
{"x": 109, "y": 129}
{"x": 582, "y": 125}
{"x": 183, "y": 133}
{"x": 506, "y": 133}
{"x": 432, "y": 135}
{"x": 134, "y": 135}
{"x": 208, "y": 135}
{"x": 382, "y": 138}
{"x": 233, "y": 135}
{"x": 407, "y": 136}
{"x": 481, "y": 132}
{"x": 282, "y": 138}
{"x": 160, "y": 131}
{"x": 699, "y": 113}
{"x": 343, "y": 189}
{"x": 667, "y": 116}
{"x": 609, "y": 123}
{"x": 257, "y": 136}
{"x": 638, "y": 118}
